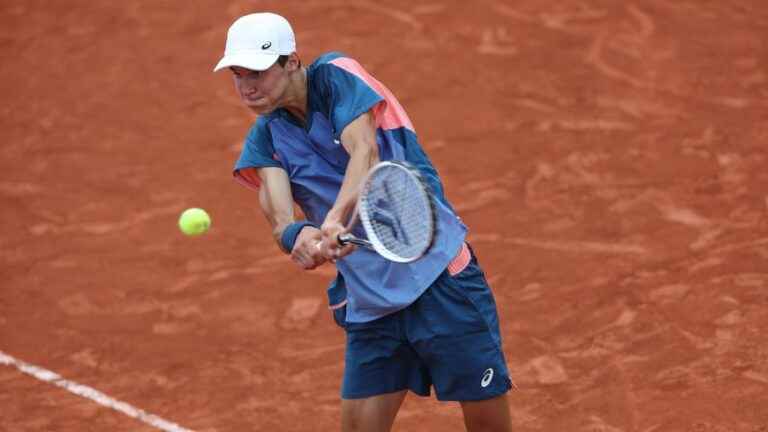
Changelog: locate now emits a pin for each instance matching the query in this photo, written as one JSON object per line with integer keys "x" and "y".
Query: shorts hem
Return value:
{"x": 478, "y": 397}
{"x": 367, "y": 394}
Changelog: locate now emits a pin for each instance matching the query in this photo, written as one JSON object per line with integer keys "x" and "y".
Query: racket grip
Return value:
{"x": 347, "y": 238}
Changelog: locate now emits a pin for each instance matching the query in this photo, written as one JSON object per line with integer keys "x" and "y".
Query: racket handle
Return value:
{"x": 351, "y": 239}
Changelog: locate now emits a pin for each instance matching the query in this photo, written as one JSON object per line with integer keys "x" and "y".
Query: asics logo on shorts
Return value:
{"x": 266, "y": 45}
{"x": 487, "y": 377}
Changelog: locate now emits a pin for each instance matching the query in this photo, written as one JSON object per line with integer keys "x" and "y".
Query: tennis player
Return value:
{"x": 320, "y": 128}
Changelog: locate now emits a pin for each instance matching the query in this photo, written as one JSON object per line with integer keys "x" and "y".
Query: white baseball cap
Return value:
{"x": 255, "y": 41}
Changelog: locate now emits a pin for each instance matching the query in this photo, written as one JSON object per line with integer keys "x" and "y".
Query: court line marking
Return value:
{"x": 90, "y": 393}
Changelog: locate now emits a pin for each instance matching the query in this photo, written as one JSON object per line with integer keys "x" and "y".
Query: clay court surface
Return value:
{"x": 609, "y": 158}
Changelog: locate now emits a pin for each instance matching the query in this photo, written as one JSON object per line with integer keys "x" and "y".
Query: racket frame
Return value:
{"x": 375, "y": 245}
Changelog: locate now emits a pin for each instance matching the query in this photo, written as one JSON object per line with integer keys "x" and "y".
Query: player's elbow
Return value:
{"x": 365, "y": 150}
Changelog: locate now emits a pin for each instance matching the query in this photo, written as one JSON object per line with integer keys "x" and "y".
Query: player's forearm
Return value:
{"x": 359, "y": 164}
{"x": 276, "y": 201}
{"x": 359, "y": 139}
{"x": 278, "y": 216}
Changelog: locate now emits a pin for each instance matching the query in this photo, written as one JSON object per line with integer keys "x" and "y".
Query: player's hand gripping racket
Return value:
{"x": 396, "y": 211}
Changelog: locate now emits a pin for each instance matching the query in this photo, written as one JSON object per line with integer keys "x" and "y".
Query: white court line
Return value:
{"x": 92, "y": 394}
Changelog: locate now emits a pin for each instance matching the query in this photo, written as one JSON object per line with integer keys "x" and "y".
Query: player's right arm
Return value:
{"x": 276, "y": 203}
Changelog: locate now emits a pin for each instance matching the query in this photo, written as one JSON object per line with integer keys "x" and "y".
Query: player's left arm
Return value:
{"x": 276, "y": 202}
{"x": 359, "y": 140}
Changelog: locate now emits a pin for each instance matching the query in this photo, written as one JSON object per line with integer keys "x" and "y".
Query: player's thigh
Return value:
{"x": 372, "y": 414}
{"x": 455, "y": 330}
{"x": 489, "y": 415}
{"x": 379, "y": 360}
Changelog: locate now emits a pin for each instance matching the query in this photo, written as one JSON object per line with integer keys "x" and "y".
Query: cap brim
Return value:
{"x": 248, "y": 60}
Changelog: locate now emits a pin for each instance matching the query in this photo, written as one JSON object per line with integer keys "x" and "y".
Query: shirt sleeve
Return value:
{"x": 346, "y": 93}
{"x": 258, "y": 152}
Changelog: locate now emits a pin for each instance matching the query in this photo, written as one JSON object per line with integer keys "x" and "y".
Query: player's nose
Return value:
{"x": 248, "y": 90}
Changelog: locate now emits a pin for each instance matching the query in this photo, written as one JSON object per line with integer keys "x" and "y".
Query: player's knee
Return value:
{"x": 351, "y": 424}
{"x": 353, "y": 418}
{"x": 490, "y": 415}
{"x": 487, "y": 425}
{"x": 357, "y": 422}
{"x": 375, "y": 414}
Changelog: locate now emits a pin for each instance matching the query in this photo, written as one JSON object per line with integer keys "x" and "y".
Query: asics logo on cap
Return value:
{"x": 487, "y": 377}
{"x": 254, "y": 41}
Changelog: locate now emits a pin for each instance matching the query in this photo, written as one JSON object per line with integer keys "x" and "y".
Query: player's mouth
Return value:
{"x": 256, "y": 100}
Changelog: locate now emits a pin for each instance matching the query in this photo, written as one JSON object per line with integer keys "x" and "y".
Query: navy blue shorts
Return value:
{"x": 448, "y": 339}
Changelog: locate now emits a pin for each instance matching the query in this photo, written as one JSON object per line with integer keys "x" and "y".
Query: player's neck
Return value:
{"x": 296, "y": 102}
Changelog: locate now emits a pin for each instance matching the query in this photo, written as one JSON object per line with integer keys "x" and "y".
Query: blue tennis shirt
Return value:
{"x": 338, "y": 91}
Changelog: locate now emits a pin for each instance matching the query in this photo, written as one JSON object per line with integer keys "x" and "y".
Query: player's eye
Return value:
{"x": 250, "y": 73}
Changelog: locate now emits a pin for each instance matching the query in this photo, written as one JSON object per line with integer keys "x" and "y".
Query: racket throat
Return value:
{"x": 345, "y": 239}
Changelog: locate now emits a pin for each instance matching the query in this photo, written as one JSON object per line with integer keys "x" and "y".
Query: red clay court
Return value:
{"x": 609, "y": 158}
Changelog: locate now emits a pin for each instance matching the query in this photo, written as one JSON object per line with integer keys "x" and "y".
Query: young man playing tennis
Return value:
{"x": 411, "y": 326}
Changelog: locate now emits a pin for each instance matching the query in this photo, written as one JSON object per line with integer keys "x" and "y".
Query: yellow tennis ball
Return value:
{"x": 194, "y": 221}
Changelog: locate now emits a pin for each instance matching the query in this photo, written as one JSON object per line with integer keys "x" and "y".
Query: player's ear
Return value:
{"x": 293, "y": 63}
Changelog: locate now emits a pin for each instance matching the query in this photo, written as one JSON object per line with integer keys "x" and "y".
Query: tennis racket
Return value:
{"x": 397, "y": 213}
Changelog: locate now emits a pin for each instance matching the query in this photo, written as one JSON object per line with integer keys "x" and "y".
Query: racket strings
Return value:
{"x": 398, "y": 211}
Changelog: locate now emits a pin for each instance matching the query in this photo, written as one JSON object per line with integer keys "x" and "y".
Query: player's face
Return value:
{"x": 261, "y": 91}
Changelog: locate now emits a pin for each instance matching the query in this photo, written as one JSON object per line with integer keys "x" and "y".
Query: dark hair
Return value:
{"x": 283, "y": 59}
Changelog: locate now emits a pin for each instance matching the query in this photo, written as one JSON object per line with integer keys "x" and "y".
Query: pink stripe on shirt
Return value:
{"x": 389, "y": 114}
{"x": 248, "y": 177}
{"x": 460, "y": 261}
